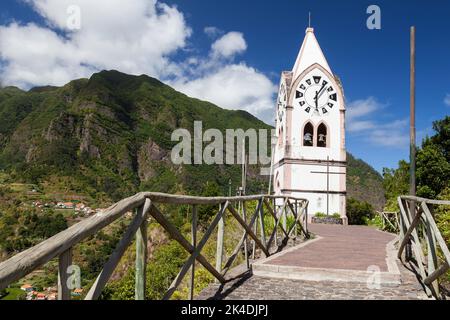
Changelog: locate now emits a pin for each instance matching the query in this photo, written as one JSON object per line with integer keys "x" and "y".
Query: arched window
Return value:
{"x": 322, "y": 136}
{"x": 308, "y": 135}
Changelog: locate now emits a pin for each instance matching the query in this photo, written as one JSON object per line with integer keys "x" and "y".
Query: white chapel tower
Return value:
{"x": 310, "y": 156}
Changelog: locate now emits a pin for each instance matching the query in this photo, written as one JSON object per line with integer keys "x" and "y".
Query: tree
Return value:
{"x": 395, "y": 183}
{"x": 211, "y": 189}
{"x": 442, "y": 136}
{"x": 442, "y": 215}
{"x": 161, "y": 271}
{"x": 433, "y": 170}
{"x": 359, "y": 213}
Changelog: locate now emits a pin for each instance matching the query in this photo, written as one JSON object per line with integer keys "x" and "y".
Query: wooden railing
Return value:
{"x": 389, "y": 221}
{"x": 145, "y": 206}
{"x": 421, "y": 242}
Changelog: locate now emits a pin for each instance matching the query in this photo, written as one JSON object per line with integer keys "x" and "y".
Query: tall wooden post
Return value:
{"x": 413, "y": 114}
{"x": 141, "y": 259}
{"x": 412, "y": 152}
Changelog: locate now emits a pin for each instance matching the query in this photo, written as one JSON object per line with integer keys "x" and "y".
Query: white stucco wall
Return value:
{"x": 295, "y": 163}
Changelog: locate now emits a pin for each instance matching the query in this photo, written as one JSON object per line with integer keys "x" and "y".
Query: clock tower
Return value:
{"x": 310, "y": 157}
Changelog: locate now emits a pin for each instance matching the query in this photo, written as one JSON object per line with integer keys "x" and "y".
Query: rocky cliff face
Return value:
{"x": 111, "y": 134}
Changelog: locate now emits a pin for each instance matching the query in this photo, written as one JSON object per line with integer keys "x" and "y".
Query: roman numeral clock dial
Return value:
{"x": 282, "y": 101}
{"x": 316, "y": 96}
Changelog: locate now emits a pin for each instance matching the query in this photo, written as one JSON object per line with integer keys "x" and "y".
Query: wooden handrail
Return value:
{"x": 61, "y": 245}
{"x": 27, "y": 261}
{"x": 417, "y": 229}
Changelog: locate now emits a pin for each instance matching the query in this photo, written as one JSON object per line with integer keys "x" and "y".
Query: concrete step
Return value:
{"x": 372, "y": 277}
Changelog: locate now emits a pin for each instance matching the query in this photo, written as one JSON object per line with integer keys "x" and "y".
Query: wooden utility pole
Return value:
{"x": 412, "y": 135}
{"x": 413, "y": 114}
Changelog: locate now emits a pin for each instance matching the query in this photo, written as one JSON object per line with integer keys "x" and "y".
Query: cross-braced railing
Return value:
{"x": 145, "y": 205}
{"x": 389, "y": 221}
{"x": 421, "y": 241}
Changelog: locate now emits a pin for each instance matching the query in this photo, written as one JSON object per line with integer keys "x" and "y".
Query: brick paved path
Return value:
{"x": 340, "y": 247}
{"x": 348, "y": 249}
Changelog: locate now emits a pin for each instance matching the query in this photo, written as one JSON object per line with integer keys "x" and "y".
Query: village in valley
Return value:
{"x": 49, "y": 293}
{"x": 79, "y": 208}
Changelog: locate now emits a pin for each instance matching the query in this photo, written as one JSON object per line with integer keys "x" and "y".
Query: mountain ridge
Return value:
{"x": 111, "y": 134}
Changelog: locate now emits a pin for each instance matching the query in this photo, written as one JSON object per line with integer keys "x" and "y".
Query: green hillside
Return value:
{"x": 109, "y": 136}
{"x": 364, "y": 183}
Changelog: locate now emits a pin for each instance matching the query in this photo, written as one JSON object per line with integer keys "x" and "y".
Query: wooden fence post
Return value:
{"x": 220, "y": 235}
{"x": 255, "y": 231}
{"x": 261, "y": 221}
{"x": 244, "y": 214}
{"x": 194, "y": 243}
{"x": 65, "y": 261}
{"x": 141, "y": 259}
{"x": 275, "y": 221}
{"x": 284, "y": 218}
{"x": 296, "y": 216}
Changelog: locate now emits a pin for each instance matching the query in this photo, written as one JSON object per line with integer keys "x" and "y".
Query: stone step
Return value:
{"x": 317, "y": 274}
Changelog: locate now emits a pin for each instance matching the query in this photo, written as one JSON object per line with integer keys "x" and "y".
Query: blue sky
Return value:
{"x": 373, "y": 64}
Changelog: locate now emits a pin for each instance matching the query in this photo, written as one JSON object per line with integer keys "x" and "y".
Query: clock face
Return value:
{"x": 282, "y": 100}
{"x": 316, "y": 95}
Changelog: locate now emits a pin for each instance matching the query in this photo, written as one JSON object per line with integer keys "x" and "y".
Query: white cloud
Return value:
{"x": 360, "y": 108}
{"x": 447, "y": 100}
{"x": 234, "y": 86}
{"x": 229, "y": 85}
{"x": 212, "y": 32}
{"x": 229, "y": 45}
{"x": 356, "y": 126}
{"x": 133, "y": 36}
{"x": 136, "y": 37}
{"x": 362, "y": 124}
{"x": 389, "y": 138}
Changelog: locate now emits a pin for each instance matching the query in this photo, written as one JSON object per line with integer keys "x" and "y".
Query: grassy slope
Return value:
{"x": 364, "y": 183}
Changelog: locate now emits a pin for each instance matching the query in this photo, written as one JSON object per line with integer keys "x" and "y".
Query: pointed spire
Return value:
{"x": 310, "y": 53}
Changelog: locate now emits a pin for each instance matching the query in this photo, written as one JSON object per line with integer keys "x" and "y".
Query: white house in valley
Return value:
{"x": 310, "y": 156}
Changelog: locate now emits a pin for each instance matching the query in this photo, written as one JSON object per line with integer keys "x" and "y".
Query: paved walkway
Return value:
{"x": 339, "y": 263}
{"x": 340, "y": 247}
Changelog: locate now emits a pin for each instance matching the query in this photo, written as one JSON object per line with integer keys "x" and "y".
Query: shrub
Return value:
{"x": 359, "y": 213}
{"x": 320, "y": 215}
